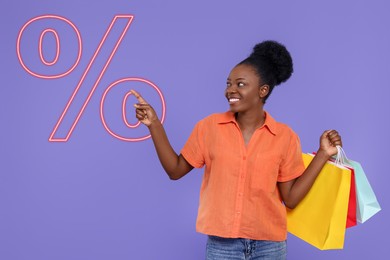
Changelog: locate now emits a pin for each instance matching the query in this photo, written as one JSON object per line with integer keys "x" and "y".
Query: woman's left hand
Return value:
{"x": 328, "y": 142}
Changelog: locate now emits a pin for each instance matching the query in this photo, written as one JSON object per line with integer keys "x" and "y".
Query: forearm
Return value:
{"x": 173, "y": 164}
{"x": 303, "y": 184}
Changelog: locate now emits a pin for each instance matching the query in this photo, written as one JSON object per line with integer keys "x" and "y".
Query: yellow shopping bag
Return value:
{"x": 320, "y": 218}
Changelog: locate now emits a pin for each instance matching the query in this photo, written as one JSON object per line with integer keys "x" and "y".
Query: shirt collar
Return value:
{"x": 270, "y": 123}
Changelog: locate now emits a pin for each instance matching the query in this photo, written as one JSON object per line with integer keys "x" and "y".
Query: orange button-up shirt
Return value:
{"x": 239, "y": 197}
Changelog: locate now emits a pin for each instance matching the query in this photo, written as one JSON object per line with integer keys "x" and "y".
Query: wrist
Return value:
{"x": 154, "y": 123}
{"x": 323, "y": 155}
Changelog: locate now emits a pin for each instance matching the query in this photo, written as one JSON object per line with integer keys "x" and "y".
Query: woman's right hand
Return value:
{"x": 143, "y": 111}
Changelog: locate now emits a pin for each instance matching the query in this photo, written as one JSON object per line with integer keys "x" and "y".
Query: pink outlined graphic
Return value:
{"x": 73, "y": 104}
{"x": 52, "y": 137}
{"x": 44, "y": 61}
{"x": 42, "y": 17}
{"x": 124, "y": 114}
{"x": 125, "y": 98}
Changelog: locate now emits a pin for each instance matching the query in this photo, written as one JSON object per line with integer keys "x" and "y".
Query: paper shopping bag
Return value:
{"x": 352, "y": 205}
{"x": 352, "y": 202}
{"x": 320, "y": 218}
{"x": 367, "y": 203}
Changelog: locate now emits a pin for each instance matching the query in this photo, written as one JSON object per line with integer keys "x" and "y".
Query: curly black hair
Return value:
{"x": 272, "y": 62}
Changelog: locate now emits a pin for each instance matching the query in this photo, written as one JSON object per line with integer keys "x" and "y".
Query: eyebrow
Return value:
{"x": 236, "y": 79}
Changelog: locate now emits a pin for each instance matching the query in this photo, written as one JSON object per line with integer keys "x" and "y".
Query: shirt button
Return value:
{"x": 238, "y": 213}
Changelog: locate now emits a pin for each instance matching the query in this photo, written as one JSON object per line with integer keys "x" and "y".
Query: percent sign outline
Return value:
{"x": 41, "y": 17}
{"x": 102, "y": 72}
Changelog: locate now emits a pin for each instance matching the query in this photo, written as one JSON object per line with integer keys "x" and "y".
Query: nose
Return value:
{"x": 231, "y": 89}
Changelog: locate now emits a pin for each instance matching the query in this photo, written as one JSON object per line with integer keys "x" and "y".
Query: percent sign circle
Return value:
{"x": 78, "y": 101}
{"x": 124, "y": 111}
{"x": 58, "y": 48}
{"x": 45, "y": 17}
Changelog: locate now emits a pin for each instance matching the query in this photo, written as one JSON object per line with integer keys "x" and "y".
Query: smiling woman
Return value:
{"x": 251, "y": 82}
{"x": 254, "y": 165}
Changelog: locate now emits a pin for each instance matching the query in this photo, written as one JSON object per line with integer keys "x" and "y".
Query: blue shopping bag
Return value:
{"x": 367, "y": 203}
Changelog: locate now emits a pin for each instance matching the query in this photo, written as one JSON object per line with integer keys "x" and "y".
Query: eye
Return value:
{"x": 228, "y": 84}
{"x": 240, "y": 84}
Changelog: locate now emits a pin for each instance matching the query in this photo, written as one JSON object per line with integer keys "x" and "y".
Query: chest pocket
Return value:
{"x": 263, "y": 174}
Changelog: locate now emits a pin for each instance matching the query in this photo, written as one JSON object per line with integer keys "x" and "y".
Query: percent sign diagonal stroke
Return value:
{"x": 72, "y": 111}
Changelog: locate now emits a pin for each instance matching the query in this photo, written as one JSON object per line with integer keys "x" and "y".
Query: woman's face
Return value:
{"x": 243, "y": 89}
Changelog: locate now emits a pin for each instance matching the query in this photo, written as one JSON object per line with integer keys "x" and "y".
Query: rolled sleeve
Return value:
{"x": 292, "y": 166}
{"x": 193, "y": 150}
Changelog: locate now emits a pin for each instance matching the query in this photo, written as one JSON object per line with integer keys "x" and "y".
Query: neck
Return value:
{"x": 251, "y": 119}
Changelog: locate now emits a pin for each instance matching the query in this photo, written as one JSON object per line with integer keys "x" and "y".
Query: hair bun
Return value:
{"x": 275, "y": 59}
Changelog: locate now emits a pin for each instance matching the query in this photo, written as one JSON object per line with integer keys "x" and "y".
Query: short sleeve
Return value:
{"x": 292, "y": 165}
{"x": 193, "y": 150}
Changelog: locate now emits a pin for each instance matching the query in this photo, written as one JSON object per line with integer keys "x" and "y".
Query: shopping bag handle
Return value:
{"x": 341, "y": 157}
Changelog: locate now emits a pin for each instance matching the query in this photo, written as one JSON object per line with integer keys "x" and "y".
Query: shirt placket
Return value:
{"x": 239, "y": 200}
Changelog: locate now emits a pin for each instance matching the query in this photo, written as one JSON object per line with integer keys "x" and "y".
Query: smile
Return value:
{"x": 233, "y": 100}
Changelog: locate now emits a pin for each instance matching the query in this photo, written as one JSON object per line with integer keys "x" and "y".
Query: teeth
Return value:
{"x": 233, "y": 99}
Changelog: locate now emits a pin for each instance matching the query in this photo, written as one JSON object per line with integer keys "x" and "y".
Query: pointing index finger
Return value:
{"x": 138, "y": 97}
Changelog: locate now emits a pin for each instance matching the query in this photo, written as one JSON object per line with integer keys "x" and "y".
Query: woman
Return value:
{"x": 254, "y": 164}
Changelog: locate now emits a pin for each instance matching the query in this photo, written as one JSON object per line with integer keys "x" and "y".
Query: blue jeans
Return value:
{"x": 219, "y": 248}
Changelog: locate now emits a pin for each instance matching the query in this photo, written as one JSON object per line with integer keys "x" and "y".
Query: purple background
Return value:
{"x": 96, "y": 197}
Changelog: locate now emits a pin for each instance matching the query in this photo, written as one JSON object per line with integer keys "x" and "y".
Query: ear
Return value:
{"x": 263, "y": 91}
